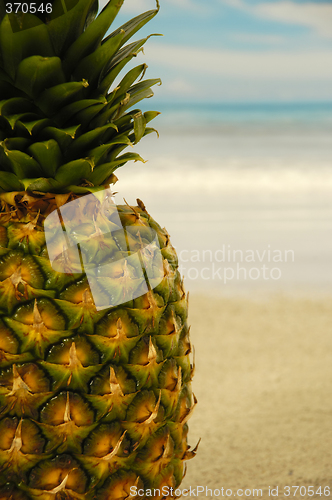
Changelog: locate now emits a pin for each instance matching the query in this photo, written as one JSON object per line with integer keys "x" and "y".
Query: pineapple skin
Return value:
{"x": 92, "y": 403}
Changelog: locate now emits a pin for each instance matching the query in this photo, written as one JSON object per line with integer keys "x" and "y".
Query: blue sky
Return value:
{"x": 238, "y": 50}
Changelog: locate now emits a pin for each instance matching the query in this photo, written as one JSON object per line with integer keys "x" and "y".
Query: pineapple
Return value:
{"x": 95, "y": 369}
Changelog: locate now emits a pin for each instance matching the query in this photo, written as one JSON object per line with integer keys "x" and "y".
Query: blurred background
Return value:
{"x": 243, "y": 161}
{"x": 241, "y": 177}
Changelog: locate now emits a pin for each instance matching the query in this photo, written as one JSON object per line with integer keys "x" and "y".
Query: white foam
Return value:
{"x": 237, "y": 175}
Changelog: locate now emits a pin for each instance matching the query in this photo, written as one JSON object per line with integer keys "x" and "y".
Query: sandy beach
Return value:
{"x": 263, "y": 383}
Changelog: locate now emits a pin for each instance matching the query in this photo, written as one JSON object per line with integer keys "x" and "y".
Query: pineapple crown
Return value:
{"x": 62, "y": 125}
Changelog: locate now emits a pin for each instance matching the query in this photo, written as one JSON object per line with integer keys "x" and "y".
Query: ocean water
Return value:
{"x": 245, "y": 192}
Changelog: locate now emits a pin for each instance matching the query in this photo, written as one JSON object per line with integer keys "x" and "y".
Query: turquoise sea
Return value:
{"x": 241, "y": 178}
{"x": 257, "y": 115}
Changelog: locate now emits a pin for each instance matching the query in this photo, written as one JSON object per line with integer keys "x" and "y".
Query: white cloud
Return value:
{"x": 179, "y": 86}
{"x": 254, "y": 65}
{"x": 190, "y": 5}
{"x": 317, "y": 16}
{"x": 314, "y": 15}
{"x": 184, "y": 4}
{"x": 235, "y": 3}
{"x": 259, "y": 38}
{"x": 132, "y": 6}
{"x": 139, "y": 6}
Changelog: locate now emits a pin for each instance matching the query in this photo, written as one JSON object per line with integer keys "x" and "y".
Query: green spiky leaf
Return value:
{"x": 92, "y": 139}
{"x": 92, "y": 36}
{"x": 128, "y": 81}
{"x": 103, "y": 171}
{"x": 59, "y": 126}
{"x": 16, "y": 105}
{"x": 20, "y": 143}
{"x": 150, "y": 115}
{"x": 141, "y": 91}
{"x": 118, "y": 62}
{"x": 99, "y": 154}
{"x": 42, "y": 185}
{"x": 132, "y": 26}
{"x": 36, "y": 73}
{"x": 139, "y": 126}
{"x": 91, "y": 67}
{"x": 48, "y": 155}
{"x": 64, "y": 137}
{"x": 10, "y": 182}
{"x": 74, "y": 172}
{"x": 64, "y": 30}
{"x": 69, "y": 112}
{"x": 30, "y": 37}
{"x": 32, "y": 127}
{"x": 58, "y": 96}
{"x": 20, "y": 163}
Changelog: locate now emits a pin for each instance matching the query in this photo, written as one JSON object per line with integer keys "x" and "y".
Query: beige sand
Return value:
{"x": 264, "y": 386}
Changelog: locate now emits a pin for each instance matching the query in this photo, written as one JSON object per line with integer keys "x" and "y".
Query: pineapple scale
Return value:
{"x": 92, "y": 402}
